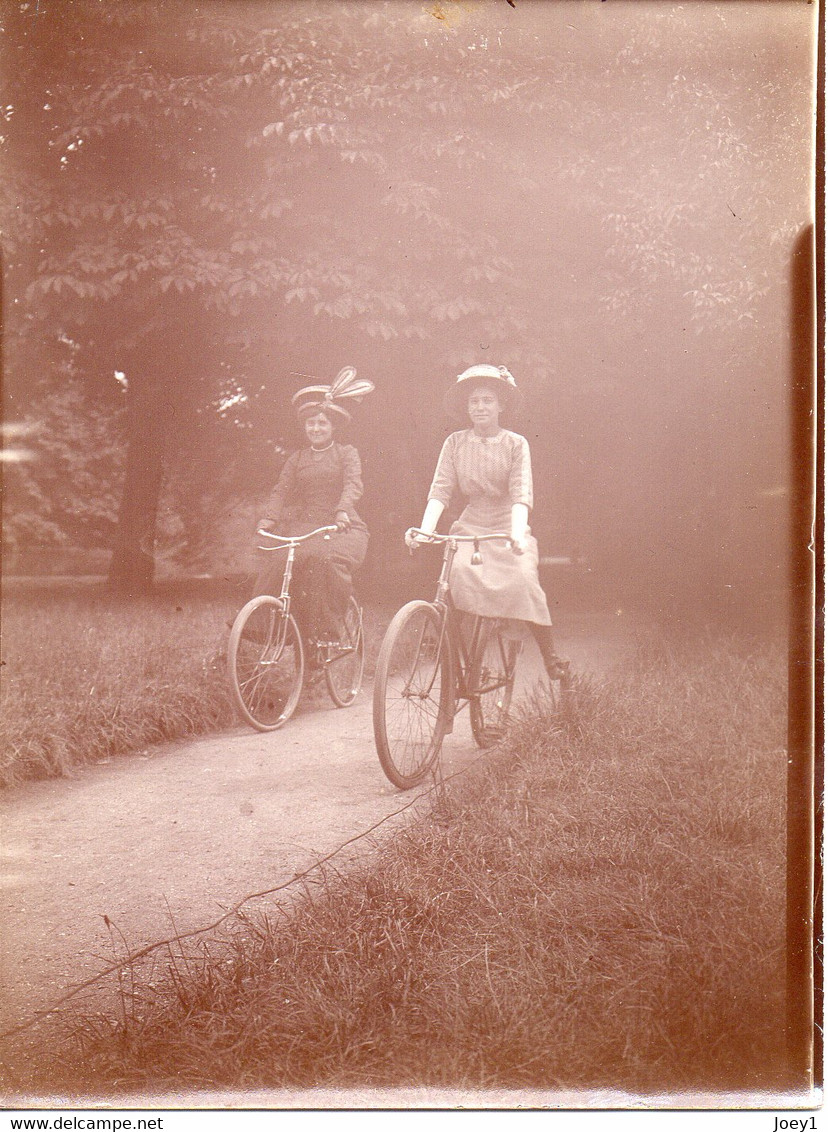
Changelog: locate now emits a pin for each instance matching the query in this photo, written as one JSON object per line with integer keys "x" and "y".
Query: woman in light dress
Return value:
{"x": 492, "y": 468}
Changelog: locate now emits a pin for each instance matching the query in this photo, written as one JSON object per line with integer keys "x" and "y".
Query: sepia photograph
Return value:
{"x": 410, "y": 686}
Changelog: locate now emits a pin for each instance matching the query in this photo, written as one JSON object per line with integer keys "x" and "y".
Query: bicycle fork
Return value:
{"x": 276, "y": 640}
{"x": 443, "y": 602}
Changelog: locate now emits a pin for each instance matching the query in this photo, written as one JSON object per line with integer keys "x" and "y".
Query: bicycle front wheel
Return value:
{"x": 413, "y": 694}
{"x": 491, "y": 683}
{"x": 345, "y": 662}
{"x": 266, "y": 662}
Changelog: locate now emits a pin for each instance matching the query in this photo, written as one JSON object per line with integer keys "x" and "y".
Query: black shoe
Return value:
{"x": 558, "y": 669}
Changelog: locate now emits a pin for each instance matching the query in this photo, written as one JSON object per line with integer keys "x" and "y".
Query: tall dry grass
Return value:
{"x": 85, "y": 677}
{"x": 598, "y": 903}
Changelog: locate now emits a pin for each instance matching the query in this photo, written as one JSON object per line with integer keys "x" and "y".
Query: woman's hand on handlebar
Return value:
{"x": 266, "y": 525}
{"x": 414, "y": 538}
{"x": 519, "y": 543}
{"x": 343, "y": 523}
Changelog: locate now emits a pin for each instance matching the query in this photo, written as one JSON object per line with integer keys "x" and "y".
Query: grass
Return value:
{"x": 86, "y": 678}
{"x": 597, "y": 903}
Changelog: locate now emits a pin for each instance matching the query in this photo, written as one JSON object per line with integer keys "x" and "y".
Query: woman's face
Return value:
{"x": 484, "y": 407}
{"x": 319, "y": 430}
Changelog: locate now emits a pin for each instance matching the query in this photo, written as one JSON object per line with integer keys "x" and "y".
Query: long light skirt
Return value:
{"x": 505, "y": 584}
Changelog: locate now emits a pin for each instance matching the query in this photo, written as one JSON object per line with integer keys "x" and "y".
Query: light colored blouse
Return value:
{"x": 494, "y": 472}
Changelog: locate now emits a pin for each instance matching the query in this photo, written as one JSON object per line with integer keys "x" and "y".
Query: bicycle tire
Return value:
{"x": 343, "y": 671}
{"x": 413, "y": 694}
{"x": 491, "y": 683}
{"x": 266, "y": 663}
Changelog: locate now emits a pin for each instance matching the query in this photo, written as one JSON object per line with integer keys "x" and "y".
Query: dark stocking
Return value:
{"x": 546, "y": 644}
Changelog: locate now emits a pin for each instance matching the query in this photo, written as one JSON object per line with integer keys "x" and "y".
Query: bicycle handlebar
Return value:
{"x": 287, "y": 540}
{"x": 430, "y": 536}
{"x": 576, "y": 561}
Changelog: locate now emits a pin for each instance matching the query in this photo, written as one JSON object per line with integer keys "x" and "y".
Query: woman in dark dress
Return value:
{"x": 319, "y": 486}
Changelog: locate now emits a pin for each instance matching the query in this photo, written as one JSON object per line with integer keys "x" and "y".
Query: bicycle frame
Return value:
{"x": 433, "y": 659}
{"x": 290, "y": 542}
{"x": 463, "y": 652}
{"x": 267, "y": 649}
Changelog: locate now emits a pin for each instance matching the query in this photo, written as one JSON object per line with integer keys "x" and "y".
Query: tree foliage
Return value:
{"x": 218, "y": 199}
{"x": 63, "y": 485}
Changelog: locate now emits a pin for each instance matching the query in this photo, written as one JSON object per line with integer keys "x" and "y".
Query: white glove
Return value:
{"x": 413, "y": 540}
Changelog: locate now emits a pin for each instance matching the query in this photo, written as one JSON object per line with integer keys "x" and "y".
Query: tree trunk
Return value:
{"x": 132, "y": 567}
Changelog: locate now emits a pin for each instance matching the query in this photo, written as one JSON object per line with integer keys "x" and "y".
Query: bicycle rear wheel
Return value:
{"x": 345, "y": 663}
{"x": 266, "y": 663}
{"x": 491, "y": 683}
{"x": 413, "y": 694}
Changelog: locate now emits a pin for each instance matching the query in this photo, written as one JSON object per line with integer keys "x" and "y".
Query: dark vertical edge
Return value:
{"x": 800, "y": 1013}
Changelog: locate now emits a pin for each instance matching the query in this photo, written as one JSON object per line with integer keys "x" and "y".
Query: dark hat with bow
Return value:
{"x": 328, "y": 399}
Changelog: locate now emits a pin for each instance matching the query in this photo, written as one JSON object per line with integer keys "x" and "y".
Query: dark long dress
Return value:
{"x": 313, "y": 486}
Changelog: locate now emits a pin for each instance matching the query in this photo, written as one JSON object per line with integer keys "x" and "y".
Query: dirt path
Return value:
{"x": 164, "y": 842}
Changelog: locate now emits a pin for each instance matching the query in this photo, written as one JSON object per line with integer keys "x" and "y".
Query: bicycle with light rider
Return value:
{"x": 435, "y": 659}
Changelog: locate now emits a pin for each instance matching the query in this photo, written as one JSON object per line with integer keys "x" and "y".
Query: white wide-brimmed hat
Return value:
{"x": 496, "y": 377}
{"x": 326, "y": 399}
